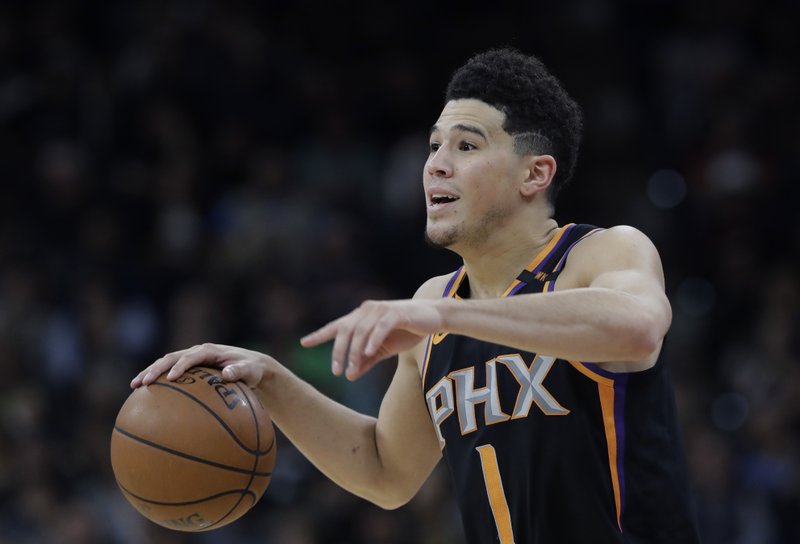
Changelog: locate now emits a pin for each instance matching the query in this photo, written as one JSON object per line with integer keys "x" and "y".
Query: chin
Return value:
{"x": 441, "y": 238}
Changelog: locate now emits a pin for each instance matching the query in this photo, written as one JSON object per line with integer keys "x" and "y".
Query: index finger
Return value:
{"x": 321, "y": 335}
{"x": 152, "y": 372}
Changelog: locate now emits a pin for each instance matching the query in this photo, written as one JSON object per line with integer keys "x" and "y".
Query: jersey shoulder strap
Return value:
{"x": 540, "y": 273}
{"x": 549, "y": 269}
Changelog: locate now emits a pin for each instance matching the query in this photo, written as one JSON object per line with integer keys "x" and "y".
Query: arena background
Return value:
{"x": 173, "y": 172}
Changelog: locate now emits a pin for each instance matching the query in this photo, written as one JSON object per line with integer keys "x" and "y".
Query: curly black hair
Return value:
{"x": 540, "y": 115}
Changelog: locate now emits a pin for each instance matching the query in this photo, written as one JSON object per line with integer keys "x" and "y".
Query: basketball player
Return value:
{"x": 534, "y": 369}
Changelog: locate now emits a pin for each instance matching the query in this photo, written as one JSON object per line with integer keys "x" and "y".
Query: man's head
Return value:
{"x": 539, "y": 114}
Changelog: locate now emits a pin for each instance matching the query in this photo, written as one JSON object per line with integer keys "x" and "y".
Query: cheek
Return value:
{"x": 497, "y": 181}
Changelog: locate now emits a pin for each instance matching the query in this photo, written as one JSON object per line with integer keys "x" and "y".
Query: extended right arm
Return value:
{"x": 384, "y": 460}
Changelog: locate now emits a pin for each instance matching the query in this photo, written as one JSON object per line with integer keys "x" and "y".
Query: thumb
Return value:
{"x": 231, "y": 373}
{"x": 241, "y": 372}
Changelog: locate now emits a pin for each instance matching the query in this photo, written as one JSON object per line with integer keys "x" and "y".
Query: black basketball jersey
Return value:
{"x": 547, "y": 451}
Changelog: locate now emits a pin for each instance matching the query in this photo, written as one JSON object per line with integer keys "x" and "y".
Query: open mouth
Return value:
{"x": 437, "y": 200}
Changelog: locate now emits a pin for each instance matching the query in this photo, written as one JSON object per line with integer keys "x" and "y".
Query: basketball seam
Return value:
{"x": 187, "y": 503}
{"x": 214, "y": 414}
{"x": 177, "y": 453}
{"x": 256, "y": 456}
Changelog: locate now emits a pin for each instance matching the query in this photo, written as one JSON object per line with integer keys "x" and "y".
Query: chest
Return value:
{"x": 472, "y": 385}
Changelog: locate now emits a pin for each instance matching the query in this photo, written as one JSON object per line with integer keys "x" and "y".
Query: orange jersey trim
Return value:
{"x": 541, "y": 256}
{"x": 607, "y": 394}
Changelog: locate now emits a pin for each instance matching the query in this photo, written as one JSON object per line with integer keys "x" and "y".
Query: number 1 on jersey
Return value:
{"x": 497, "y": 497}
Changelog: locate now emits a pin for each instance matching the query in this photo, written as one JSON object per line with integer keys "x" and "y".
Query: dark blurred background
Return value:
{"x": 175, "y": 172}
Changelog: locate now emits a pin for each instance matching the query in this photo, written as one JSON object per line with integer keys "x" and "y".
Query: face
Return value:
{"x": 472, "y": 176}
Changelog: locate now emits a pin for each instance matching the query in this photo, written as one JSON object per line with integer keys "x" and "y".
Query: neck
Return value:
{"x": 492, "y": 267}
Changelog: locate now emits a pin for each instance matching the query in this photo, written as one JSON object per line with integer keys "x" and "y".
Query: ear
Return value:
{"x": 541, "y": 169}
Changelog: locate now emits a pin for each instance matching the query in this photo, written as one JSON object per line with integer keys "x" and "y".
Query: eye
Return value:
{"x": 434, "y": 146}
{"x": 466, "y": 146}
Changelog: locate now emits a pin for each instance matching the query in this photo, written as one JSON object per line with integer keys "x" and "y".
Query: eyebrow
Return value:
{"x": 464, "y": 128}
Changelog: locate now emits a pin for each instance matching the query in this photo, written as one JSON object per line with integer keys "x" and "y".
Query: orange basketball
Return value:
{"x": 193, "y": 454}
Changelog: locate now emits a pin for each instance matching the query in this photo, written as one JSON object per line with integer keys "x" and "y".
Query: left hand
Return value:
{"x": 375, "y": 331}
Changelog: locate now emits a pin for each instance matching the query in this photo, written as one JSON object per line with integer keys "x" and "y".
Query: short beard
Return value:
{"x": 490, "y": 222}
{"x": 444, "y": 241}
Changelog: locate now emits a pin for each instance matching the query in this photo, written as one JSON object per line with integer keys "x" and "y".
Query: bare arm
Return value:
{"x": 384, "y": 460}
{"x": 611, "y": 309}
{"x": 617, "y": 312}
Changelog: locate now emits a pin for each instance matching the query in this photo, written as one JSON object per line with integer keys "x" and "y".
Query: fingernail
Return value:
{"x": 336, "y": 368}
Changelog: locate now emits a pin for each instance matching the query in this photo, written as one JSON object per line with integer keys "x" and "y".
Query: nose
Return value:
{"x": 438, "y": 165}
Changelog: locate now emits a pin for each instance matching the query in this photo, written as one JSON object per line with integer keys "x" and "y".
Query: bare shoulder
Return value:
{"x": 621, "y": 247}
{"x": 620, "y": 239}
{"x": 434, "y": 287}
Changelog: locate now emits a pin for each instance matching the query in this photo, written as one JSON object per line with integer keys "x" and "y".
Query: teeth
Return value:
{"x": 438, "y": 199}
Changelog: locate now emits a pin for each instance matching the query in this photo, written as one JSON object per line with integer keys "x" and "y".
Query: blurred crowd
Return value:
{"x": 176, "y": 172}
